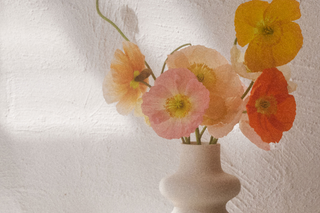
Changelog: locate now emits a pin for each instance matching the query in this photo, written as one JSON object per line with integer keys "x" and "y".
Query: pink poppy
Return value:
{"x": 176, "y": 103}
{"x": 224, "y": 85}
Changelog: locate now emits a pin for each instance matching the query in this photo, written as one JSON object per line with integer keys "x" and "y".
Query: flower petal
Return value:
{"x": 215, "y": 112}
{"x": 249, "y": 132}
{"x": 219, "y": 131}
{"x": 172, "y": 83}
{"x": 134, "y": 55}
{"x": 117, "y": 83}
{"x": 248, "y": 15}
{"x": 289, "y": 45}
{"x": 223, "y": 128}
{"x": 121, "y": 69}
{"x": 127, "y": 102}
{"x": 259, "y": 56}
{"x": 269, "y": 125}
{"x": 177, "y": 60}
{"x": 283, "y": 10}
{"x": 286, "y": 113}
{"x": 112, "y": 92}
{"x": 196, "y": 54}
{"x": 237, "y": 61}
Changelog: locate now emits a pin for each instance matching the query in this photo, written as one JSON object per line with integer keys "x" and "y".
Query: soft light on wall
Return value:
{"x": 63, "y": 149}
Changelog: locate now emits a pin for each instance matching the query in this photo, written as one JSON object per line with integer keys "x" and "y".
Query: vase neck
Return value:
{"x": 200, "y": 158}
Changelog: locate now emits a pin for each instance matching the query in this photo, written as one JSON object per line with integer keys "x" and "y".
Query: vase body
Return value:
{"x": 200, "y": 185}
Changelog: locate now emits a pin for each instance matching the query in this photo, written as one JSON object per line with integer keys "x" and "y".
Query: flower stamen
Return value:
{"x": 267, "y": 31}
{"x": 204, "y": 74}
{"x": 178, "y": 106}
{"x": 266, "y": 105}
{"x": 134, "y": 84}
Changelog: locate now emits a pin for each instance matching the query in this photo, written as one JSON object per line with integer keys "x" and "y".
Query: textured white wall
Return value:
{"x": 63, "y": 149}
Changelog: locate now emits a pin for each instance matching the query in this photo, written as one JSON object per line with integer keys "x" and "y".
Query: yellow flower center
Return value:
{"x": 266, "y": 105}
{"x": 134, "y": 84}
{"x": 200, "y": 77}
{"x": 204, "y": 74}
{"x": 270, "y": 32}
{"x": 178, "y": 106}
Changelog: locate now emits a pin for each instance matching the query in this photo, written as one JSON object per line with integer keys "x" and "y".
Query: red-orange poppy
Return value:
{"x": 271, "y": 109}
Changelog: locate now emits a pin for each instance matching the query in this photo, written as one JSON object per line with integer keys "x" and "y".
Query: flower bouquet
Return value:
{"x": 201, "y": 91}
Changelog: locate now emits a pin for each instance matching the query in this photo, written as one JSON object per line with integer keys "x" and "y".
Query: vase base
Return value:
{"x": 218, "y": 209}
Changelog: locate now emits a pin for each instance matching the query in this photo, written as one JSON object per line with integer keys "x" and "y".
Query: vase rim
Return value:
{"x": 193, "y": 143}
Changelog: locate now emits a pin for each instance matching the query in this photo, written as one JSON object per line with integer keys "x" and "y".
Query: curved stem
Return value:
{"x": 248, "y": 89}
{"x": 178, "y": 48}
{"x": 204, "y": 129}
{"x": 145, "y": 83}
{"x": 251, "y": 84}
{"x": 110, "y": 22}
{"x": 152, "y": 74}
{"x": 121, "y": 33}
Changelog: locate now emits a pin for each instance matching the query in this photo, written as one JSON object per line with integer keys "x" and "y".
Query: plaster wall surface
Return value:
{"x": 64, "y": 150}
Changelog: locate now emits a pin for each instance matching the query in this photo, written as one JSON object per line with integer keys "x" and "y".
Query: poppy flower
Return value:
{"x": 271, "y": 109}
{"x": 238, "y": 65}
{"x": 237, "y": 62}
{"x": 175, "y": 105}
{"x": 273, "y": 38}
{"x": 119, "y": 84}
{"x": 224, "y": 85}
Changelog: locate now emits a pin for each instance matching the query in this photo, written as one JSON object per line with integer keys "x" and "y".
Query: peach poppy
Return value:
{"x": 175, "y": 104}
{"x": 224, "y": 85}
{"x": 138, "y": 111}
{"x": 273, "y": 38}
{"x": 271, "y": 109}
{"x": 119, "y": 84}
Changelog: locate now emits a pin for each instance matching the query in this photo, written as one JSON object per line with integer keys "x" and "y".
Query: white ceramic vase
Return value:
{"x": 200, "y": 185}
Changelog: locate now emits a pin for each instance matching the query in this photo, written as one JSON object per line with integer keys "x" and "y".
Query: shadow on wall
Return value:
{"x": 90, "y": 34}
{"x": 213, "y": 20}
{"x": 10, "y": 177}
{"x": 131, "y": 24}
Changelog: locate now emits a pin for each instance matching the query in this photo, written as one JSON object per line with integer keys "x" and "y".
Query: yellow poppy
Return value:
{"x": 273, "y": 38}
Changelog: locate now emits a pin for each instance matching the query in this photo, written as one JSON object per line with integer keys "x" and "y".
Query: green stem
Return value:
{"x": 164, "y": 64}
{"x": 153, "y": 76}
{"x": 110, "y": 22}
{"x": 235, "y": 41}
{"x": 187, "y": 139}
{"x": 145, "y": 83}
{"x": 248, "y": 89}
{"x": 204, "y": 129}
{"x": 121, "y": 33}
{"x": 198, "y": 136}
{"x": 183, "y": 141}
{"x": 213, "y": 140}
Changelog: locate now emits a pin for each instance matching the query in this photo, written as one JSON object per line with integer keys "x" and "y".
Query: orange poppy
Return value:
{"x": 119, "y": 85}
